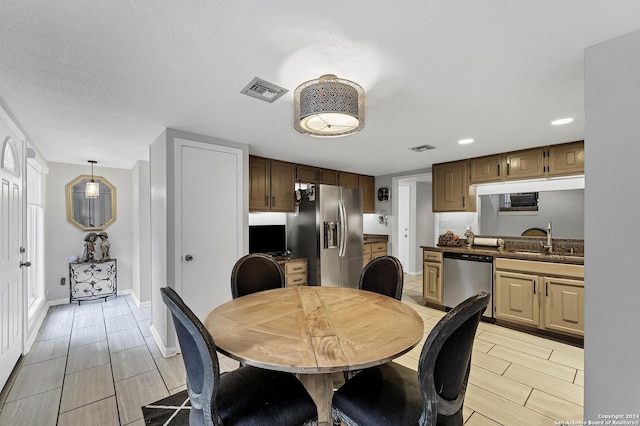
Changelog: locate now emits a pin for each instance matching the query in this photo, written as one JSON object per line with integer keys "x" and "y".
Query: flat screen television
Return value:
{"x": 267, "y": 239}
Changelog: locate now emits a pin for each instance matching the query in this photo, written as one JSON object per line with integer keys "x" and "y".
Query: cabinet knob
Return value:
{"x": 188, "y": 258}
{"x": 27, "y": 264}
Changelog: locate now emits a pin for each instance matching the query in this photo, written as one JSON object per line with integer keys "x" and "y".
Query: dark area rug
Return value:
{"x": 170, "y": 411}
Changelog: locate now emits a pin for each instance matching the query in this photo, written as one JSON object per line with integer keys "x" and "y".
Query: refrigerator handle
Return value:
{"x": 342, "y": 215}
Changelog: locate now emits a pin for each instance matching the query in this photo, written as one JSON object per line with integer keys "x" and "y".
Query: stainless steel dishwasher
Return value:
{"x": 465, "y": 275}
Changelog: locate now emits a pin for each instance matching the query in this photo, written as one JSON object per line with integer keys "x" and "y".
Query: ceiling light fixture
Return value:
{"x": 328, "y": 107}
{"x": 562, "y": 121}
{"x": 92, "y": 188}
{"x": 465, "y": 141}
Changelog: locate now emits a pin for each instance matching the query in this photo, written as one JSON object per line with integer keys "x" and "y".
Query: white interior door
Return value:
{"x": 209, "y": 239}
{"x": 404, "y": 225}
{"x": 11, "y": 291}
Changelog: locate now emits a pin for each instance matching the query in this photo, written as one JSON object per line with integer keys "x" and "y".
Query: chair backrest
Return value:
{"x": 445, "y": 361}
{"x": 383, "y": 275}
{"x": 200, "y": 360}
{"x": 255, "y": 272}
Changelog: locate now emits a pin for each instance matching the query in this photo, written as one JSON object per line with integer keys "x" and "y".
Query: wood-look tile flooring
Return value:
{"x": 97, "y": 364}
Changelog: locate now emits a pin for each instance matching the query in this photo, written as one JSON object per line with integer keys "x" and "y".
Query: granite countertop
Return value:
{"x": 375, "y": 238}
{"x": 513, "y": 253}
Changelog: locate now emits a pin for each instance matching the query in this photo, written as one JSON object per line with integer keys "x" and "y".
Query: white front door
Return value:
{"x": 11, "y": 291}
{"x": 209, "y": 222}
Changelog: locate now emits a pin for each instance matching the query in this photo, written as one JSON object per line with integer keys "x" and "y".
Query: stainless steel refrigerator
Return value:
{"x": 327, "y": 230}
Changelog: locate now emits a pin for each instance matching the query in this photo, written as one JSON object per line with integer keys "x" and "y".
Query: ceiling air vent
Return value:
{"x": 422, "y": 148}
{"x": 263, "y": 90}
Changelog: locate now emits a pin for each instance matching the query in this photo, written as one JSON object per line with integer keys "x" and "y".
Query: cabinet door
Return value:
{"x": 566, "y": 159}
{"x": 378, "y": 250}
{"x": 432, "y": 282}
{"x": 348, "y": 180}
{"x": 486, "y": 169}
{"x": 366, "y": 254}
{"x": 517, "y": 298}
{"x": 451, "y": 188}
{"x": 259, "y": 180}
{"x": 282, "y": 186}
{"x": 329, "y": 177}
{"x": 564, "y": 305}
{"x": 525, "y": 164}
{"x": 367, "y": 185}
{"x": 307, "y": 174}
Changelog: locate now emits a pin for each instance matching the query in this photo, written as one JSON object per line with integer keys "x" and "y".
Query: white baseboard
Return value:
{"x": 165, "y": 351}
{"x": 137, "y": 301}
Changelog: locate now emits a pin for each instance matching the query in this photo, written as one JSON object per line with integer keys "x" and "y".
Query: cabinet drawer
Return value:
{"x": 432, "y": 256}
{"x": 296, "y": 280}
{"x": 366, "y": 250}
{"x": 295, "y": 268}
{"x": 379, "y": 247}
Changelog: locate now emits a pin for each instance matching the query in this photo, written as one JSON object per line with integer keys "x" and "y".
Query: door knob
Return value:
{"x": 188, "y": 258}
{"x": 27, "y": 264}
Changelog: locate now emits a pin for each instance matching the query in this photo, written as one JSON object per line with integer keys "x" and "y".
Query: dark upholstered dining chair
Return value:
{"x": 391, "y": 394}
{"x": 383, "y": 275}
{"x": 255, "y": 272}
{"x": 248, "y": 395}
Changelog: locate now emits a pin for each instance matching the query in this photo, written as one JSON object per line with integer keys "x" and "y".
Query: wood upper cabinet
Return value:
{"x": 451, "y": 188}
{"x": 307, "y": 174}
{"x": 348, "y": 180}
{"x": 271, "y": 185}
{"x": 527, "y": 164}
{"x": 432, "y": 276}
{"x": 329, "y": 177}
{"x": 259, "y": 183}
{"x": 566, "y": 159}
{"x": 367, "y": 185}
{"x": 487, "y": 169}
{"x": 282, "y": 186}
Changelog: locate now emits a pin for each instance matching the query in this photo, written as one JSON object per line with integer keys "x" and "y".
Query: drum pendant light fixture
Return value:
{"x": 328, "y": 107}
{"x": 92, "y": 188}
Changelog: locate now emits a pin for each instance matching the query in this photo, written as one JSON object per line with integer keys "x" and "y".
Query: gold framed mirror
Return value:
{"x": 91, "y": 214}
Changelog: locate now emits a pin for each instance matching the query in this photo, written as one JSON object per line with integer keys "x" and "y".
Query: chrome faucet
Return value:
{"x": 549, "y": 246}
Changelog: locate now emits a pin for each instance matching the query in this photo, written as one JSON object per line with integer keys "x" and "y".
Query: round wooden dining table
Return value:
{"x": 314, "y": 331}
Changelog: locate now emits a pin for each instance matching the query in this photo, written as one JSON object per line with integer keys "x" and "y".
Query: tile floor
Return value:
{"x": 97, "y": 364}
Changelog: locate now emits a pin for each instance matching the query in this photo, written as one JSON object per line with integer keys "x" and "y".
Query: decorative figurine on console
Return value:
{"x": 89, "y": 247}
{"x": 105, "y": 245}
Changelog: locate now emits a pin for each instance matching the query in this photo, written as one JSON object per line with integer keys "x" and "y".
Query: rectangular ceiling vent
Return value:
{"x": 422, "y": 148}
{"x": 263, "y": 90}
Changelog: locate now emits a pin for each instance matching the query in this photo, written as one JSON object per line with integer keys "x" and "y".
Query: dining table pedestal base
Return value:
{"x": 320, "y": 387}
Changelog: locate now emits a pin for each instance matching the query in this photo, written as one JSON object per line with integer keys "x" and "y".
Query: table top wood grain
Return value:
{"x": 311, "y": 329}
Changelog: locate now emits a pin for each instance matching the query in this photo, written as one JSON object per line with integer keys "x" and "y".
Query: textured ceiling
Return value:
{"x": 101, "y": 79}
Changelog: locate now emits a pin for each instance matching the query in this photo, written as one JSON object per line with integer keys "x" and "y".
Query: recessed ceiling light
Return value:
{"x": 562, "y": 121}
{"x": 465, "y": 141}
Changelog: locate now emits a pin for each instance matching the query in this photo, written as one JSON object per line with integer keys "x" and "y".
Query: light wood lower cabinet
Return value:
{"x": 516, "y": 298}
{"x": 564, "y": 305}
{"x": 295, "y": 272}
{"x": 432, "y": 276}
{"x": 372, "y": 250}
{"x": 547, "y": 296}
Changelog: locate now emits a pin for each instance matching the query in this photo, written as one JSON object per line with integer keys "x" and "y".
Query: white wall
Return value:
{"x": 62, "y": 239}
{"x": 141, "y": 233}
{"x": 612, "y": 291}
